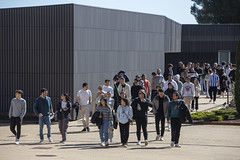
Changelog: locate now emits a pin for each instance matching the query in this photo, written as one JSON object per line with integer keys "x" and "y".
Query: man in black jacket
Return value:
{"x": 135, "y": 89}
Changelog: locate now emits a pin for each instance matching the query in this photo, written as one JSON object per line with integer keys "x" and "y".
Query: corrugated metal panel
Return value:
{"x": 210, "y": 38}
{"x": 36, "y": 51}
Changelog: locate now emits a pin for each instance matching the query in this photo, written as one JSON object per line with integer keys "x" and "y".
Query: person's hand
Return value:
{"x": 192, "y": 98}
{"x": 61, "y": 110}
{"x": 143, "y": 100}
{"x": 40, "y": 115}
{"x": 110, "y": 129}
{"x": 168, "y": 122}
{"x": 138, "y": 107}
{"x": 65, "y": 109}
{"x": 100, "y": 116}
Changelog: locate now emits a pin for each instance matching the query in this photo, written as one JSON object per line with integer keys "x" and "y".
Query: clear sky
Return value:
{"x": 177, "y": 10}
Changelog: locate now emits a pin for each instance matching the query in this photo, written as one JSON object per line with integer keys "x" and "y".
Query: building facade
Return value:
{"x": 206, "y": 43}
{"x": 60, "y": 47}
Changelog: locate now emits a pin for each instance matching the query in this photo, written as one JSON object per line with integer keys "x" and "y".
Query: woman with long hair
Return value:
{"x": 63, "y": 115}
{"x": 106, "y": 115}
{"x": 124, "y": 116}
{"x": 140, "y": 114}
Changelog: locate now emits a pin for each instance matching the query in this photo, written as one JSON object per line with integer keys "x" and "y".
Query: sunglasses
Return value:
{"x": 140, "y": 93}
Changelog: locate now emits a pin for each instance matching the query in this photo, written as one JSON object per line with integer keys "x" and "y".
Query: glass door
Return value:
{"x": 224, "y": 56}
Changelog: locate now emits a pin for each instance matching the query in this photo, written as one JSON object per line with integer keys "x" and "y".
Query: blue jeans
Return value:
{"x": 44, "y": 120}
{"x": 103, "y": 131}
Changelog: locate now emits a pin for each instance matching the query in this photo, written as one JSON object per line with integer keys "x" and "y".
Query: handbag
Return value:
{"x": 115, "y": 122}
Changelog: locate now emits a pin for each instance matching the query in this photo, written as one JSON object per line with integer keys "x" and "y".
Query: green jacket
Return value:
{"x": 173, "y": 109}
{"x": 42, "y": 106}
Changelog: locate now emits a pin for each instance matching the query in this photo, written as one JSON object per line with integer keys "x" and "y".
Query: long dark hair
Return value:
{"x": 105, "y": 100}
{"x": 66, "y": 96}
{"x": 126, "y": 101}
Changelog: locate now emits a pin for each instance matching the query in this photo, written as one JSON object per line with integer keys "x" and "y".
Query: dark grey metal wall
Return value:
{"x": 201, "y": 43}
{"x": 185, "y": 57}
{"x": 36, "y": 51}
{"x": 210, "y": 38}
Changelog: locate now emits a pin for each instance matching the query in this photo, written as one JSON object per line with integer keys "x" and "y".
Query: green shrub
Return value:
{"x": 226, "y": 114}
{"x": 217, "y": 115}
{"x": 211, "y": 116}
{"x": 198, "y": 116}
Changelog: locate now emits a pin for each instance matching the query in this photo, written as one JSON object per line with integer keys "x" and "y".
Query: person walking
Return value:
{"x": 170, "y": 80}
{"x": 42, "y": 108}
{"x": 106, "y": 115}
{"x": 147, "y": 85}
{"x": 168, "y": 71}
{"x": 223, "y": 82}
{"x": 84, "y": 98}
{"x": 110, "y": 103}
{"x": 135, "y": 89}
{"x": 140, "y": 115}
{"x": 155, "y": 82}
{"x": 17, "y": 111}
{"x": 97, "y": 98}
{"x": 213, "y": 84}
{"x": 160, "y": 105}
{"x": 197, "y": 88}
{"x": 124, "y": 116}
{"x": 107, "y": 87}
{"x": 207, "y": 76}
{"x": 63, "y": 115}
{"x": 124, "y": 87}
{"x": 188, "y": 92}
{"x": 170, "y": 90}
{"x": 177, "y": 113}
{"x": 179, "y": 83}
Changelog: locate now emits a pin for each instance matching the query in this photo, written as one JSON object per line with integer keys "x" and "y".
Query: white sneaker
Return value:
{"x": 125, "y": 145}
{"x": 178, "y": 145}
{"x": 161, "y": 138}
{"x": 139, "y": 143}
{"x": 102, "y": 144}
{"x": 214, "y": 102}
{"x": 146, "y": 142}
{"x": 169, "y": 127}
{"x": 50, "y": 140}
{"x": 17, "y": 142}
{"x": 41, "y": 141}
{"x": 157, "y": 137}
{"x": 172, "y": 144}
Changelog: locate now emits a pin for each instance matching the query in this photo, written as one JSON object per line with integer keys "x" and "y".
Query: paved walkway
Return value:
{"x": 198, "y": 142}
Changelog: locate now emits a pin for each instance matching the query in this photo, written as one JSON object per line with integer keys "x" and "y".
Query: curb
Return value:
{"x": 215, "y": 123}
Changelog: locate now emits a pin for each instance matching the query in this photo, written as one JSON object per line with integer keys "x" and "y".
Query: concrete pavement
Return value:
{"x": 198, "y": 142}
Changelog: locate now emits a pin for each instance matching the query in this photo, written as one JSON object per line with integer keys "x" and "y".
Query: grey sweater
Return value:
{"x": 107, "y": 114}
{"x": 18, "y": 108}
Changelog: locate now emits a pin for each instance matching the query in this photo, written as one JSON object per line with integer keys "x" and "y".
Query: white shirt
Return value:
{"x": 165, "y": 87}
{"x": 64, "y": 105}
{"x": 84, "y": 97}
{"x": 108, "y": 89}
{"x": 188, "y": 90}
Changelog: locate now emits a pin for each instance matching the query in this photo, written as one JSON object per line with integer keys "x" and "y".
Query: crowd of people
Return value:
{"x": 169, "y": 96}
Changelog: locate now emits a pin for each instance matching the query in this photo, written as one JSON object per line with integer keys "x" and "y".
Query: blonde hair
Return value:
{"x": 143, "y": 91}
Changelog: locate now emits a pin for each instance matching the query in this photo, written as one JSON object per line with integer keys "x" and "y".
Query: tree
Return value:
{"x": 237, "y": 79}
{"x": 216, "y": 11}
